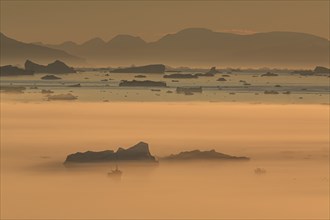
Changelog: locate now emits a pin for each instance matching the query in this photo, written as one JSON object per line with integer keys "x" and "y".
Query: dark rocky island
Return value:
{"x": 205, "y": 74}
{"x": 12, "y": 89}
{"x": 317, "y": 71}
{"x": 269, "y": 74}
{"x": 46, "y": 91}
{"x": 213, "y": 70}
{"x": 139, "y": 152}
{"x": 10, "y": 70}
{"x": 304, "y": 72}
{"x": 50, "y": 77}
{"x": 189, "y": 90}
{"x": 270, "y": 92}
{"x": 202, "y": 155}
{"x": 75, "y": 85}
{"x": 140, "y": 76}
{"x": 181, "y": 76}
{"x": 321, "y": 69}
{"x": 154, "y": 68}
{"x": 55, "y": 67}
{"x": 146, "y": 83}
{"x": 221, "y": 79}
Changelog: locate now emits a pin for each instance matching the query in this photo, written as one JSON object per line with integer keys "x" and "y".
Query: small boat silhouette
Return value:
{"x": 115, "y": 172}
{"x": 259, "y": 171}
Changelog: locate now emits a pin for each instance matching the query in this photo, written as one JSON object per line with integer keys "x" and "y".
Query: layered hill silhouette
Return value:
{"x": 199, "y": 46}
{"x": 16, "y": 52}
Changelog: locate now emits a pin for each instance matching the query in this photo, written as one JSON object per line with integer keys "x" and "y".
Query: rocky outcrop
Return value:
{"x": 210, "y": 73}
{"x": 304, "y": 72}
{"x": 205, "y": 74}
{"x": 12, "y": 89}
{"x": 55, "y": 67}
{"x": 270, "y": 92}
{"x": 321, "y": 69}
{"x": 203, "y": 155}
{"x": 46, "y": 91}
{"x": 10, "y": 70}
{"x": 154, "y": 68}
{"x": 50, "y": 77}
{"x": 181, "y": 76}
{"x": 139, "y": 152}
{"x": 221, "y": 79}
{"x": 269, "y": 74}
{"x": 146, "y": 83}
{"x": 75, "y": 85}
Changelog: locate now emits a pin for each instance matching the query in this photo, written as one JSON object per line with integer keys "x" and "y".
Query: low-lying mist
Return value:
{"x": 288, "y": 142}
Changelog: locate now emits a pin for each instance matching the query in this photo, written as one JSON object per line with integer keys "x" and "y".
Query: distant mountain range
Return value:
{"x": 203, "y": 47}
{"x": 16, "y": 52}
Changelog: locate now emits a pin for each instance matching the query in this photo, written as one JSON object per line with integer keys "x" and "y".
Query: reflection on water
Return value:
{"x": 298, "y": 188}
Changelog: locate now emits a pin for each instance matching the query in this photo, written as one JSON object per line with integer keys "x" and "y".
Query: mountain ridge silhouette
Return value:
{"x": 14, "y": 51}
{"x": 204, "y": 47}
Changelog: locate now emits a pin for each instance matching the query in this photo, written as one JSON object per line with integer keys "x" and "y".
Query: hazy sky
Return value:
{"x": 58, "y": 21}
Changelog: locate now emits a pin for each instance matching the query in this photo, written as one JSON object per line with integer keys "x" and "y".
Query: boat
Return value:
{"x": 115, "y": 172}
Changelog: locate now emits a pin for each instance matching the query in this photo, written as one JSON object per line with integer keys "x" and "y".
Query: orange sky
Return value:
{"x": 58, "y": 21}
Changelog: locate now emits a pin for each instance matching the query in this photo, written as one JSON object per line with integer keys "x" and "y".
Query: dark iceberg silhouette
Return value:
{"x": 145, "y": 83}
{"x": 304, "y": 72}
{"x": 154, "y": 68}
{"x": 12, "y": 89}
{"x": 140, "y": 76}
{"x": 139, "y": 152}
{"x": 269, "y": 74}
{"x": 211, "y": 72}
{"x": 321, "y": 69}
{"x": 270, "y": 92}
{"x": 221, "y": 79}
{"x": 75, "y": 85}
{"x": 50, "y": 77}
{"x": 181, "y": 76}
{"x": 202, "y": 155}
{"x": 55, "y": 67}
{"x": 318, "y": 70}
{"x": 10, "y": 70}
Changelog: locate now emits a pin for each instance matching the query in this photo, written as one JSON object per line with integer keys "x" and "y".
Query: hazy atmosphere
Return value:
{"x": 109, "y": 18}
{"x": 164, "y": 110}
